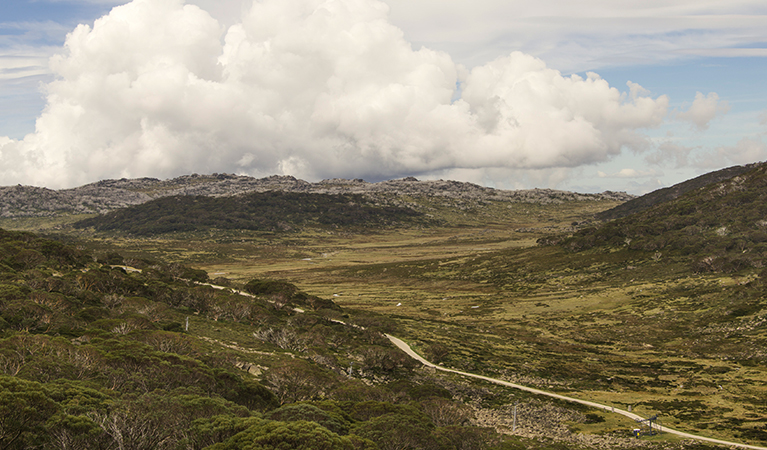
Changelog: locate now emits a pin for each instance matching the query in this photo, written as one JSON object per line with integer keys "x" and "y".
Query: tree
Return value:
{"x": 396, "y": 432}
{"x": 68, "y": 432}
{"x": 444, "y": 412}
{"x": 24, "y": 409}
{"x": 297, "y": 380}
{"x": 159, "y": 419}
{"x": 273, "y": 435}
{"x": 304, "y": 411}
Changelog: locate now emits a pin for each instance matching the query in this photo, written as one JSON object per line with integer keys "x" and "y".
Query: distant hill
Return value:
{"x": 109, "y": 195}
{"x": 721, "y": 226}
{"x": 258, "y": 211}
{"x": 670, "y": 193}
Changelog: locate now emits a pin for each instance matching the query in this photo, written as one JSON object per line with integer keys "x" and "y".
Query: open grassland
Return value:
{"x": 625, "y": 327}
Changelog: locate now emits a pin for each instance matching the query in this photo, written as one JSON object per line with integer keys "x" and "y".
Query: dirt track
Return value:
{"x": 406, "y": 348}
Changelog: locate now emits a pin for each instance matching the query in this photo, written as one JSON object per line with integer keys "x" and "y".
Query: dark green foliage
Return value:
{"x": 437, "y": 352}
{"x": 594, "y": 418}
{"x": 395, "y": 431}
{"x": 197, "y": 275}
{"x": 12, "y": 292}
{"x": 271, "y": 435}
{"x": 153, "y": 418}
{"x": 333, "y": 421}
{"x": 22, "y": 251}
{"x": 287, "y": 293}
{"x": 24, "y": 409}
{"x": 209, "y": 431}
{"x": 299, "y": 380}
{"x": 271, "y": 288}
{"x": 266, "y": 211}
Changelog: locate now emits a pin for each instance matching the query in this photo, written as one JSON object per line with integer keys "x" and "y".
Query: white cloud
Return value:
{"x": 726, "y": 52}
{"x": 667, "y": 152}
{"x": 763, "y": 118}
{"x": 91, "y": 2}
{"x": 313, "y": 88}
{"x": 745, "y": 151}
{"x": 703, "y": 110}
{"x": 629, "y": 173}
{"x": 21, "y": 53}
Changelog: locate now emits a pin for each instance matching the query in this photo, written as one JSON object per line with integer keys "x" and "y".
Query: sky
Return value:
{"x": 583, "y": 96}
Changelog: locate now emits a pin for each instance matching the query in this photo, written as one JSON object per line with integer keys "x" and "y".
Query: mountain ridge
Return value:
{"x": 108, "y": 195}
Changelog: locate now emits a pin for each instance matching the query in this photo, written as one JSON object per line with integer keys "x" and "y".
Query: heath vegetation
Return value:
{"x": 266, "y": 329}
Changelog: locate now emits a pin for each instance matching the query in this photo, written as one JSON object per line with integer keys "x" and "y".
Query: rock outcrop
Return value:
{"x": 108, "y": 195}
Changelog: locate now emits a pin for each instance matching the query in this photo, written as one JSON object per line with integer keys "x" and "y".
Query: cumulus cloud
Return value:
{"x": 703, "y": 110}
{"x": 311, "y": 88}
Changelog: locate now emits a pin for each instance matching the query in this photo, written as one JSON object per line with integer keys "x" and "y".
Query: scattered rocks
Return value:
{"x": 538, "y": 419}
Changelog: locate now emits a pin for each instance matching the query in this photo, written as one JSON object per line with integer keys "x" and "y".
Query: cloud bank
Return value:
{"x": 310, "y": 88}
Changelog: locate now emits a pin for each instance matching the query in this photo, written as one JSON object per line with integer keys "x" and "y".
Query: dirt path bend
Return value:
{"x": 406, "y": 348}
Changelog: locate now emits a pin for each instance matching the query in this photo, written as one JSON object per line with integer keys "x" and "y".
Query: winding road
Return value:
{"x": 406, "y": 348}
{"x": 399, "y": 343}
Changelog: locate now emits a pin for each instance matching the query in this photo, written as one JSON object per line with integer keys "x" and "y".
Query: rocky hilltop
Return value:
{"x": 108, "y": 195}
{"x": 647, "y": 201}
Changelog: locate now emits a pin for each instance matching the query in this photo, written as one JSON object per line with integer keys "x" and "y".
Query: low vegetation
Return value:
{"x": 663, "y": 312}
{"x": 108, "y": 352}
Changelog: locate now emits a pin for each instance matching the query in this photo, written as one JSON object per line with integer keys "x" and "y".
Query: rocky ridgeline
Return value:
{"x": 107, "y": 195}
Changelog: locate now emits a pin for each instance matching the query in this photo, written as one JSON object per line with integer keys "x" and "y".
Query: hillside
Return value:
{"x": 719, "y": 227}
{"x": 670, "y": 193}
{"x": 267, "y": 211}
{"x": 108, "y": 195}
{"x": 94, "y": 356}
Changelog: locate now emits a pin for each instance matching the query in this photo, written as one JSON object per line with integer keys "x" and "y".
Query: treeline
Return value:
{"x": 720, "y": 228}
{"x": 94, "y": 356}
{"x": 263, "y": 211}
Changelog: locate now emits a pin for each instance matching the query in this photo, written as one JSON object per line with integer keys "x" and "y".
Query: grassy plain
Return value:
{"x": 623, "y": 328}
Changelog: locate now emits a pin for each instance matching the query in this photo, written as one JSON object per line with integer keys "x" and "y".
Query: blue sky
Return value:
{"x": 333, "y": 112}
{"x": 30, "y": 32}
